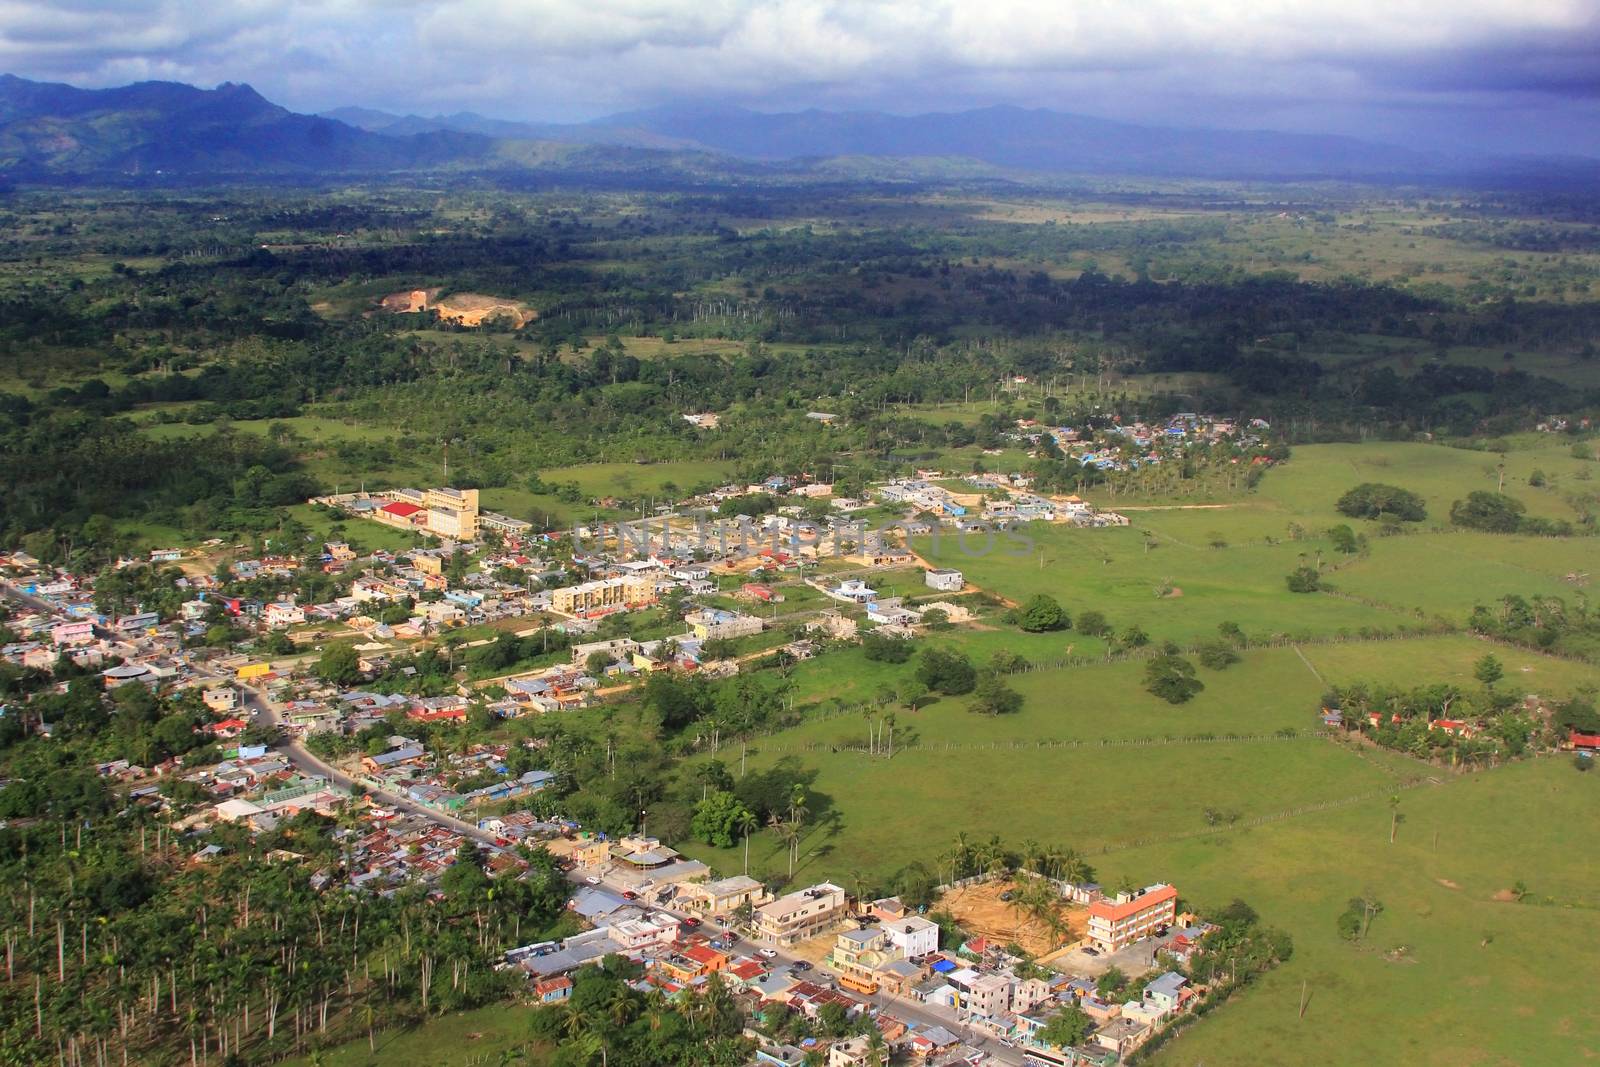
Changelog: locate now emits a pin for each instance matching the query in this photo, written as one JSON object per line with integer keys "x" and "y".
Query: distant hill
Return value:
{"x": 49, "y": 130}
{"x": 57, "y": 132}
{"x": 1012, "y": 139}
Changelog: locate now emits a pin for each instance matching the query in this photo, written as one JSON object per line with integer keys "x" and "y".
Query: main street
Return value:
{"x": 263, "y": 713}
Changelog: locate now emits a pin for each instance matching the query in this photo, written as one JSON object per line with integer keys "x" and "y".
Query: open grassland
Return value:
{"x": 1090, "y": 749}
{"x": 1449, "y": 573}
{"x": 460, "y": 1039}
{"x": 1317, "y": 475}
{"x": 1448, "y": 974}
{"x": 1120, "y": 573}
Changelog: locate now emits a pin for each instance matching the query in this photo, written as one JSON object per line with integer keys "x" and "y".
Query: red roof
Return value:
{"x": 1110, "y": 909}
{"x": 401, "y": 508}
{"x": 1585, "y": 740}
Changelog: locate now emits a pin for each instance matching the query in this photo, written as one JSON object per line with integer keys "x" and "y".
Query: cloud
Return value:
{"x": 566, "y": 58}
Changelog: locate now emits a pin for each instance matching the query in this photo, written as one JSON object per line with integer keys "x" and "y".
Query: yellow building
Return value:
{"x": 606, "y": 593}
{"x": 254, "y": 670}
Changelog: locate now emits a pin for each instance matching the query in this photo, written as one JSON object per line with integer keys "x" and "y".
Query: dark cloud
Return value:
{"x": 1424, "y": 69}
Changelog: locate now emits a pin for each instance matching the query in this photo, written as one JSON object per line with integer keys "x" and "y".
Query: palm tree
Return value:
{"x": 1032, "y": 856}
{"x": 744, "y": 822}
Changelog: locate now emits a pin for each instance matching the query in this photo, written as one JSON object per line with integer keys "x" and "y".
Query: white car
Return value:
{"x": 593, "y": 879}
{"x": 768, "y": 953}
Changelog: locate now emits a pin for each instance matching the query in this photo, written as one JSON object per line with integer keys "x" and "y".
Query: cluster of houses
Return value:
{"x": 1128, "y": 446}
{"x": 953, "y": 996}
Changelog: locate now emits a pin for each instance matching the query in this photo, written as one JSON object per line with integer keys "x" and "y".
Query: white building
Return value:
{"x": 944, "y": 579}
{"x": 912, "y": 935}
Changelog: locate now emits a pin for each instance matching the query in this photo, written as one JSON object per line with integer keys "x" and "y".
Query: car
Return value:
{"x": 1091, "y": 952}
{"x": 689, "y": 923}
{"x": 1007, "y": 895}
{"x": 731, "y": 938}
{"x": 800, "y": 965}
{"x": 628, "y": 894}
{"x": 768, "y": 953}
{"x": 593, "y": 879}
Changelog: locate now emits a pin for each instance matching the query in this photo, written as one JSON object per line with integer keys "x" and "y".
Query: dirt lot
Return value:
{"x": 979, "y": 910}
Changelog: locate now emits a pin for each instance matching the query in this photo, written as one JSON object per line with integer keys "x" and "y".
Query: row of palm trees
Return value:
{"x": 966, "y": 858}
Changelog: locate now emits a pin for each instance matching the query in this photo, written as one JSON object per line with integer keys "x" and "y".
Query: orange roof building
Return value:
{"x": 1129, "y": 917}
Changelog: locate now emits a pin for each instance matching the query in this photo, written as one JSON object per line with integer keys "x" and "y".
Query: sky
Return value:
{"x": 1485, "y": 75}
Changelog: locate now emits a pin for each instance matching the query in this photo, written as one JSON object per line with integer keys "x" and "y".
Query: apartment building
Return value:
{"x": 1115, "y": 923}
{"x": 802, "y": 914}
{"x": 714, "y": 625}
{"x": 604, "y": 594}
{"x": 857, "y": 955}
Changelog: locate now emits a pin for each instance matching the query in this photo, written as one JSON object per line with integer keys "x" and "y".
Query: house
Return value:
{"x": 721, "y": 897}
{"x": 281, "y": 613}
{"x": 72, "y": 633}
{"x": 913, "y": 935}
{"x": 854, "y": 1051}
{"x": 1166, "y": 992}
{"x": 944, "y": 579}
{"x": 1129, "y": 917}
{"x": 853, "y": 590}
{"x": 711, "y": 624}
{"x": 801, "y": 914}
{"x": 222, "y": 699}
{"x": 552, "y": 990}
{"x": 393, "y": 758}
{"x": 857, "y": 955}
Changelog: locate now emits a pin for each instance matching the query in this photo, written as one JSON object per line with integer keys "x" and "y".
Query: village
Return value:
{"x": 745, "y": 576}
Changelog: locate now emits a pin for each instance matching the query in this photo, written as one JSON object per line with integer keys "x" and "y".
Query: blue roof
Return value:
{"x": 943, "y": 966}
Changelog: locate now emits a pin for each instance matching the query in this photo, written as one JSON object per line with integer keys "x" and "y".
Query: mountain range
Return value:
{"x": 58, "y": 132}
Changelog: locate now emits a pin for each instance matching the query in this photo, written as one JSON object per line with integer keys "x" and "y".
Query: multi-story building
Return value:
{"x": 714, "y": 625}
{"x": 912, "y": 935}
{"x": 802, "y": 914}
{"x": 1129, "y": 917}
{"x": 723, "y": 896}
{"x": 857, "y": 955}
{"x": 607, "y": 593}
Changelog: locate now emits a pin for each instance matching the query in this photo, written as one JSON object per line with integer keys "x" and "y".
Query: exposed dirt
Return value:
{"x": 1447, "y": 883}
{"x": 979, "y": 910}
{"x": 1506, "y": 896}
{"x": 467, "y": 309}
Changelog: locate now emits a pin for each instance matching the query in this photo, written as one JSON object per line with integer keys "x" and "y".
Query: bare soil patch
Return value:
{"x": 979, "y": 910}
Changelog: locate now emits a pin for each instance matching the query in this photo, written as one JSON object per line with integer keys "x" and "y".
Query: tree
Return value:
{"x": 947, "y": 671}
{"x": 1344, "y": 539}
{"x": 595, "y": 663}
{"x": 339, "y": 664}
{"x": 993, "y": 697}
{"x": 1489, "y": 512}
{"x": 1092, "y": 624}
{"x": 1134, "y": 637}
{"x": 1488, "y": 670}
{"x": 1374, "y": 500}
{"x": 719, "y": 818}
{"x": 1216, "y": 656}
{"x": 1171, "y": 678}
{"x": 1042, "y": 613}
{"x": 1065, "y": 1028}
{"x": 1304, "y": 580}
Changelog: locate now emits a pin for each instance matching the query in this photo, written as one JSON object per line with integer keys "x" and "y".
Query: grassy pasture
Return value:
{"x": 1447, "y": 973}
{"x": 1112, "y": 571}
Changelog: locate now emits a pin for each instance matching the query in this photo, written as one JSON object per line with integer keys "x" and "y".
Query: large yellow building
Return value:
{"x": 603, "y": 594}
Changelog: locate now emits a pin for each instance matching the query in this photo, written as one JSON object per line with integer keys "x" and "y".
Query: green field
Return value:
{"x": 1447, "y": 974}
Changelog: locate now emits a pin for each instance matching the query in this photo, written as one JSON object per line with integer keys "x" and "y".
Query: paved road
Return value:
{"x": 263, "y": 713}
{"x": 36, "y": 603}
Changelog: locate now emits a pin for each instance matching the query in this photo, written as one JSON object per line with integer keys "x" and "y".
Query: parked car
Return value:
{"x": 593, "y": 879}
{"x": 768, "y": 953}
{"x": 689, "y": 923}
{"x": 799, "y": 965}
{"x": 628, "y": 894}
{"x": 1091, "y": 952}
